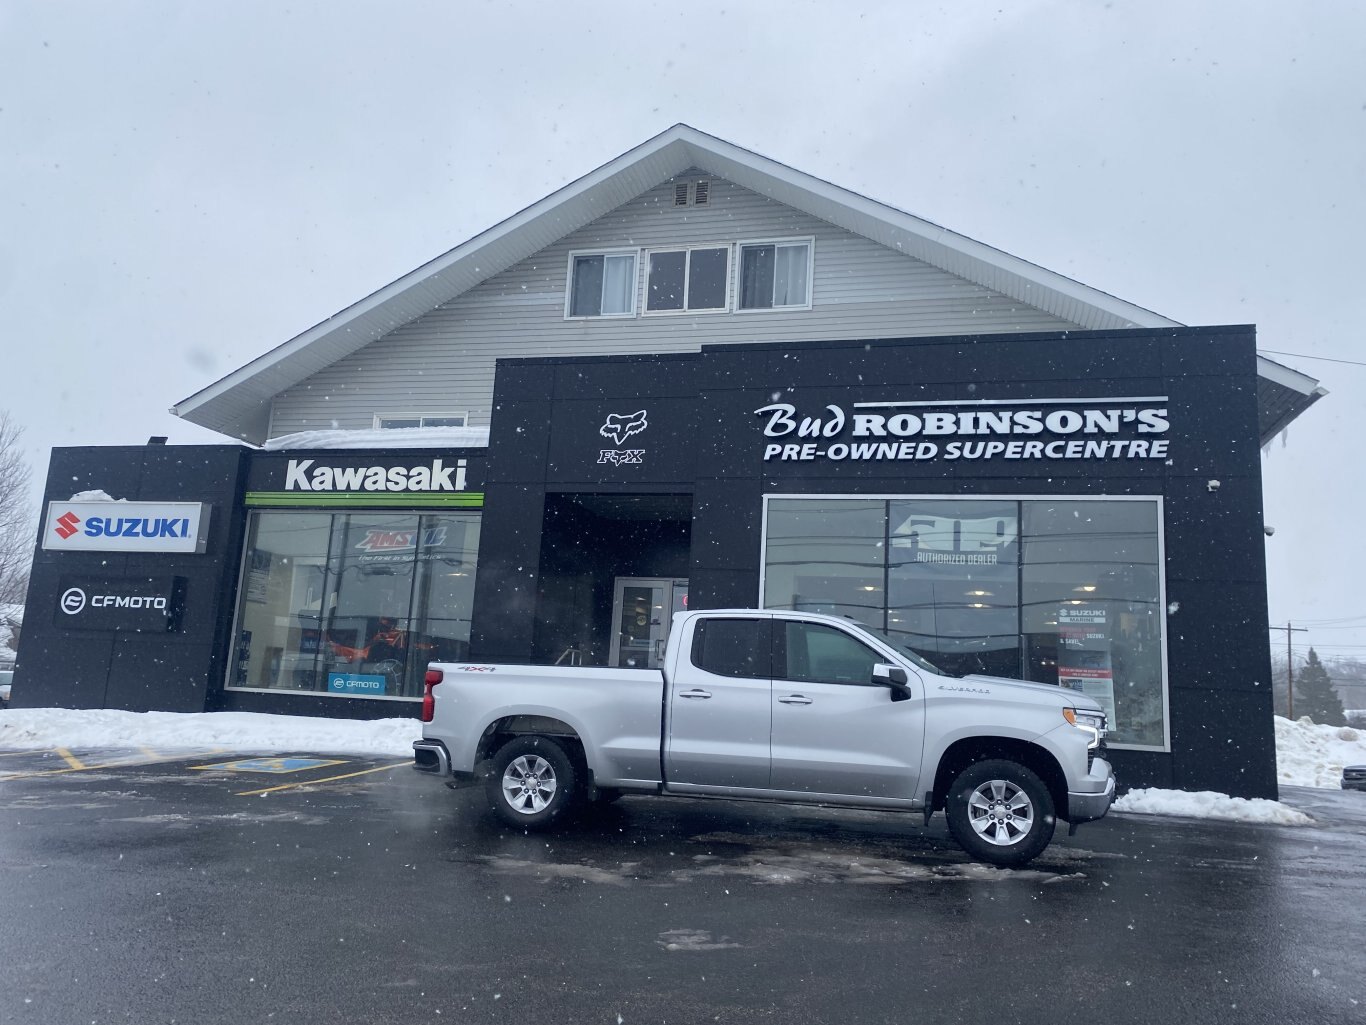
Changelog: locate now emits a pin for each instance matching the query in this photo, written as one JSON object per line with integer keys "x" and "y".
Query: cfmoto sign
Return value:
{"x": 138, "y": 604}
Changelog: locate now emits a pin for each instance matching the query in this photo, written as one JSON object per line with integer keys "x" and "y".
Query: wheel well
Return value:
{"x": 976, "y": 749}
{"x": 500, "y": 731}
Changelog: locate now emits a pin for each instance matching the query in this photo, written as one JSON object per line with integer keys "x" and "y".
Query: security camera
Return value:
{"x": 1268, "y": 531}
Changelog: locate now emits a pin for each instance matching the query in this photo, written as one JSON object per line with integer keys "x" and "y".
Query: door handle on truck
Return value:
{"x": 795, "y": 699}
{"x": 696, "y": 692}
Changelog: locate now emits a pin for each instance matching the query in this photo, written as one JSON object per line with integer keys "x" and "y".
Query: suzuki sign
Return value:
{"x": 109, "y": 526}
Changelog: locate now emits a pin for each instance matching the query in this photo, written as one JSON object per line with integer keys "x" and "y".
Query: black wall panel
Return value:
{"x": 701, "y": 441}
{"x": 82, "y": 668}
{"x": 713, "y": 447}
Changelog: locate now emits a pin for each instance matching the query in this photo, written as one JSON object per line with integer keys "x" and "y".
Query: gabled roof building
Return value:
{"x": 696, "y": 377}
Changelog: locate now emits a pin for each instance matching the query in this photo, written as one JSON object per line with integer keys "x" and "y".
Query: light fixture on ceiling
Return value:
{"x": 1088, "y": 588}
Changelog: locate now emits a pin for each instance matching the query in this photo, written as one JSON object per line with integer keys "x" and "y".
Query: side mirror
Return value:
{"x": 893, "y": 677}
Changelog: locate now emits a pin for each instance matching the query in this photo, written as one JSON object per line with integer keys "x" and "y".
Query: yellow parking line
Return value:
{"x": 329, "y": 779}
{"x": 107, "y": 765}
{"x": 70, "y": 759}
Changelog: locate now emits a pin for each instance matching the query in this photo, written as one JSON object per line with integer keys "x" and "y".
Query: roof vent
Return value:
{"x": 701, "y": 193}
{"x": 681, "y": 194}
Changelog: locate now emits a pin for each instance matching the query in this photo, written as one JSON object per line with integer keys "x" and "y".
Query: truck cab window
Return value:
{"x": 733, "y": 647}
{"x": 821, "y": 654}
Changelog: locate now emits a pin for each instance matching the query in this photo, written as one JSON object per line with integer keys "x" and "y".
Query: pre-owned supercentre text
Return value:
{"x": 968, "y": 434}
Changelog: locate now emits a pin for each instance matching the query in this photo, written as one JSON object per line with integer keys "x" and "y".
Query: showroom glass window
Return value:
{"x": 1065, "y": 592}
{"x": 353, "y": 604}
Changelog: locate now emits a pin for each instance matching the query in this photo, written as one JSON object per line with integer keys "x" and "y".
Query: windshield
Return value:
{"x": 919, "y": 661}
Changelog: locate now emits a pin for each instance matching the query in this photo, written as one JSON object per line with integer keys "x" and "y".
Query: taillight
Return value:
{"x": 433, "y": 677}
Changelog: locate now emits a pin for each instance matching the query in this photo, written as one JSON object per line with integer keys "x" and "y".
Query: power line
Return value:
{"x": 1325, "y": 359}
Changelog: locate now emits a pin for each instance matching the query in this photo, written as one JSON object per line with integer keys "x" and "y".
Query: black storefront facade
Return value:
{"x": 1078, "y": 509}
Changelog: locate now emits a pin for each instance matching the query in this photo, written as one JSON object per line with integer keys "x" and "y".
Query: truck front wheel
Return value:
{"x": 1000, "y": 812}
{"x": 532, "y": 782}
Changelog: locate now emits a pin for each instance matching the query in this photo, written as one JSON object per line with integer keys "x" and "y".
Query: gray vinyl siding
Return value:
{"x": 444, "y": 360}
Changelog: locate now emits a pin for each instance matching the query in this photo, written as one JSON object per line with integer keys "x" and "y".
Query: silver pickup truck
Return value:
{"x": 776, "y": 706}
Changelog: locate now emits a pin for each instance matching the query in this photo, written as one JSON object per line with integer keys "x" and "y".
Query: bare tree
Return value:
{"x": 16, "y": 516}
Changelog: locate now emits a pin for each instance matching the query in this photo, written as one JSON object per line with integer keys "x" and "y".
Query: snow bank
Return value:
{"x": 1206, "y": 804}
{"x": 1310, "y": 755}
{"x": 246, "y": 732}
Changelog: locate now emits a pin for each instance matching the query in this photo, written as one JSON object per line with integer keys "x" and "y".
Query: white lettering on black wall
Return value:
{"x": 1099, "y": 428}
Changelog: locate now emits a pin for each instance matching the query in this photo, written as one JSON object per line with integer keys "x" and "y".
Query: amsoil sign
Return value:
{"x": 1066, "y": 429}
{"x": 108, "y": 526}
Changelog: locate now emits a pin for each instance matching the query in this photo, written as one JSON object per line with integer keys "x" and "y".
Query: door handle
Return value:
{"x": 696, "y": 692}
{"x": 795, "y": 699}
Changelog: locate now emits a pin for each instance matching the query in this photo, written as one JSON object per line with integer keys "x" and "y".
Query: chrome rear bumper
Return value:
{"x": 431, "y": 756}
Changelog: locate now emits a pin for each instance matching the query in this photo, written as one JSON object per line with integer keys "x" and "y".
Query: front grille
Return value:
{"x": 1093, "y": 753}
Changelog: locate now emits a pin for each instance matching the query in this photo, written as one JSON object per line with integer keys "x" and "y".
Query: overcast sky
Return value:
{"x": 186, "y": 185}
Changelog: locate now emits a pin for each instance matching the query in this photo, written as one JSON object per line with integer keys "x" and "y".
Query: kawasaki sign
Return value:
{"x": 362, "y": 479}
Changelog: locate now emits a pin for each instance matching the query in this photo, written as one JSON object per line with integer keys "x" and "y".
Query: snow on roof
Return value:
{"x": 403, "y": 437}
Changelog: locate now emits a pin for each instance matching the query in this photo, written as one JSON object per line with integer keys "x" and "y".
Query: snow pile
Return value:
{"x": 95, "y": 496}
{"x": 1310, "y": 755}
{"x": 8, "y": 614}
{"x": 1206, "y": 804}
{"x": 402, "y": 437}
{"x": 244, "y": 732}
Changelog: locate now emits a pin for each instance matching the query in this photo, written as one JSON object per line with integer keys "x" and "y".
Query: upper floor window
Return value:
{"x": 399, "y": 421}
{"x": 680, "y": 280}
{"x": 775, "y": 275}
{"x": 602, "y": 284}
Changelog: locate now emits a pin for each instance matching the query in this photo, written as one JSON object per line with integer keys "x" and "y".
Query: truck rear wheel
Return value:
{"x": 532, "y": 782}
{"x": 1000, "y": 812}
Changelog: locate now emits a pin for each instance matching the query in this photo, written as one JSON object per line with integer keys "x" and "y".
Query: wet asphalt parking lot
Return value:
{"x": 144, "y": 886}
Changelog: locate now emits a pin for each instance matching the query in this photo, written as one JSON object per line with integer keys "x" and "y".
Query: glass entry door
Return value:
{"x": 642, "y": 609}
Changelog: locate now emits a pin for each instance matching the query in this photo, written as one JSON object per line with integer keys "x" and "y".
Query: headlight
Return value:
{"x": 1085, "y": 719}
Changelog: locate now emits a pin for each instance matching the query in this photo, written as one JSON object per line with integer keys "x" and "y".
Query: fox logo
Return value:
{"x": 620, "y": 426}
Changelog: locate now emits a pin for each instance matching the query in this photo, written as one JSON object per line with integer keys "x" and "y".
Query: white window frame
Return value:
{"x": 419, "y": 417}
{"x": 574, "y": 254}
{"x": 687, "y": 277}
{"x": 808, "y": 240}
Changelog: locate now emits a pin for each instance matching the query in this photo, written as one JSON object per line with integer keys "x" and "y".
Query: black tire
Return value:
{"x": 532, "y": 782}
{"x": 1000, "y": 812}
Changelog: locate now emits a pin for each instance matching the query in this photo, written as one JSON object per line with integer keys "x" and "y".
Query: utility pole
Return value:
{"x": 1290, "y": 667}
